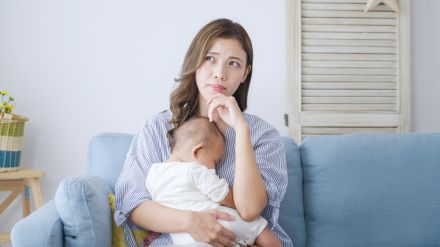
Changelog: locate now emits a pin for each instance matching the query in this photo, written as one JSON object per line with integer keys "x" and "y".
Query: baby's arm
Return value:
{"x": 229, "y": 200}
{"x": 211, "y": 185}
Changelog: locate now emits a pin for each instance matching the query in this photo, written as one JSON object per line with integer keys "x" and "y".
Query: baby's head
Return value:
{"x": 197, "y": 140}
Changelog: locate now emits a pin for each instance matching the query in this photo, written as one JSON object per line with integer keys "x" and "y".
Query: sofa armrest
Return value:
{"x": 41, "y": 228}
{"x": 83, "y": 206}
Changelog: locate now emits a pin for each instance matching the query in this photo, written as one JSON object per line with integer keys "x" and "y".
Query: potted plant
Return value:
{"x": 11, "y": 134}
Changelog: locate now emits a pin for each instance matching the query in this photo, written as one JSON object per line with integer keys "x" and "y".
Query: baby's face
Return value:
{"x": 212, "y": 156}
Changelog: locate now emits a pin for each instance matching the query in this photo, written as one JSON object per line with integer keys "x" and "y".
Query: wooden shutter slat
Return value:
{"x": 349, "y": 57}
{"x": 348, "y": 64}
{"x": 349, "y": 107}
{"x": 348, "y": 93}
{"x": 355, "y": 119}
{"x": 326, "y": 35}
{"x": 352, "y": 50}
{"x": 347, "y": 14}
{"x": 342, "y": 130}
{"x": 349, "y": 100}
{"x": 348, "y": 42}
{"x": 349, "y": 29}
{"x": 348, "y": 71}
{"x": 349, "y": 78}
{"x": 341, "y": 6}
{"x": 349, "y": 21}
{"x": 348, "y": 85}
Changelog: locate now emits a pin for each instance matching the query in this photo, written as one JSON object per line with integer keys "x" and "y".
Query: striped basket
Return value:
{"x": 11, "y": 141}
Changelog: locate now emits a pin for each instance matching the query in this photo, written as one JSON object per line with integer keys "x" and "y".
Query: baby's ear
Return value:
{"x": 196, "y": 150}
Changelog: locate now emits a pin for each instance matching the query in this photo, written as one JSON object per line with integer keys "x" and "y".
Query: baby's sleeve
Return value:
{"x": 209, "y": 183}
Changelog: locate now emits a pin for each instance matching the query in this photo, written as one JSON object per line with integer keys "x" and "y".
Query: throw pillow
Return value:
{"x": 118, "y": 239}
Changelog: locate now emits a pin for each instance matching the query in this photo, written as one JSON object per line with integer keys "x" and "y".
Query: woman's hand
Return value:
{"x": 204, "y": 227}
{"x": 225, "y": 108}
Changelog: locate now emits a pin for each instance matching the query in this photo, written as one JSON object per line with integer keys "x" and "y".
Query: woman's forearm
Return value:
{"x": 250, "y": 195}
{"x": 153, "y": 216}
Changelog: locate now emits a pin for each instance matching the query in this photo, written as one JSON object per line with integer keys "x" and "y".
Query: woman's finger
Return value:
{"x": 228, "y": 234}
{"x": 212, "y": 108}
{"x": 220, "y": 215}
{"x": 225, "y": 241}
{"x": 224, "y": 237}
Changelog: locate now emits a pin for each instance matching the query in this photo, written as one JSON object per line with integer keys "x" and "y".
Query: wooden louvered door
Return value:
{"x": 348, "y": 71}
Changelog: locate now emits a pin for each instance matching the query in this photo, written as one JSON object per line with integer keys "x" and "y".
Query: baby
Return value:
{"x": 188, "y": 181}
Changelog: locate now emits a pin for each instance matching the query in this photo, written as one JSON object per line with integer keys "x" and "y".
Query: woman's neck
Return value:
{"x": 203, "y": 108}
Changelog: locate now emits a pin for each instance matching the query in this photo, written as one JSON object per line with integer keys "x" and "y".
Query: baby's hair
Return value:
{"x": 195, "y": 130}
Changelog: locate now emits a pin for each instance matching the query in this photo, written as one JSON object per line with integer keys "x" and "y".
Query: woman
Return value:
{"x": 214, "y": 82}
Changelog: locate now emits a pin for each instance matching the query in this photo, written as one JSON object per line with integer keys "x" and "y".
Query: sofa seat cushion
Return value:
{"x": 372, "y": 190}
{"x": 83, "y": 207}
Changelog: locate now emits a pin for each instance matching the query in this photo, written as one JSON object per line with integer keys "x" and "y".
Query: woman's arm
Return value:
{"x": 160, "y": 218}
{"x": 249, "y": 190}
{"x": 202, "y": 226}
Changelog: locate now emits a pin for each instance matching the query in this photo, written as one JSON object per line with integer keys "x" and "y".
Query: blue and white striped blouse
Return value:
{"x": 151, "y": 145}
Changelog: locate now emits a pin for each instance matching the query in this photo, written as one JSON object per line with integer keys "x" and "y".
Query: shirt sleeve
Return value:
{"x": 209, "y": 183}
{"x": 270, "y": 157}
{"x": 130, "y": 190}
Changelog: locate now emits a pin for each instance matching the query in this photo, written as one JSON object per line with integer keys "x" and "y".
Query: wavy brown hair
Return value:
{"x": 184, "y": 100}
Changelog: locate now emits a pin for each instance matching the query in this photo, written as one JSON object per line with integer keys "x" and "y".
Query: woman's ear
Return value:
{"x": 195, "y": 151}
{"x": 246, "y": 73}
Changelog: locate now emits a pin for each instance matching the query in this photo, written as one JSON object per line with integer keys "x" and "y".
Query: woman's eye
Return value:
{"x": 234, "y": 64}
{"x": 210, "y": 58}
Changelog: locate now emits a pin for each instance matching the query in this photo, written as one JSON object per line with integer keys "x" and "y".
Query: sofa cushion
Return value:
{"x": 291, "y": 216}
{"x": 49, "y": 232}
{"x": 83, "y": 207}
{"x": 106, "y": 156}
{"x": 372, "y": 190}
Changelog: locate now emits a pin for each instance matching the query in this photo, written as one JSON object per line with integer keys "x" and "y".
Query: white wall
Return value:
{"x": 425, "y": 39}
{"x": 81, "y": 67}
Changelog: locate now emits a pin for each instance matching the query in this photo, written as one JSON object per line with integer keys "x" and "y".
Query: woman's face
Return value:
{"x": 223, "y": 70}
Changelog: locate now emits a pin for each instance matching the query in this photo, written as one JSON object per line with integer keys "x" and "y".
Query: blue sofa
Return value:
{"x": 347, "y": 190}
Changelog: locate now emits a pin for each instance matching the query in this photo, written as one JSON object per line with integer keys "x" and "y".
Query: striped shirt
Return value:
{"x": 151, "y": 145}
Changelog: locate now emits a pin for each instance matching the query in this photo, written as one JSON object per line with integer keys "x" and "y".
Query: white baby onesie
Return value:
{"x": 192, "y": 186}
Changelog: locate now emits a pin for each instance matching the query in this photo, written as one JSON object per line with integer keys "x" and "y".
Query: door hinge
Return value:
{"x": 286, "y": 119}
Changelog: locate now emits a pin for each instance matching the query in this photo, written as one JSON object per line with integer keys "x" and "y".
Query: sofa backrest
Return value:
{"x": 291, "y": 209}
{"x": 106, "y": 155}
{"x": 372, "y": 190}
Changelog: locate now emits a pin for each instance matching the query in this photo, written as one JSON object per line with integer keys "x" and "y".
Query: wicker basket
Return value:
{"x": 11, "y": 141}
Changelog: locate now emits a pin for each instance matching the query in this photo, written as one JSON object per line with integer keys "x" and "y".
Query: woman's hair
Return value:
{"x": 184, "y": 100}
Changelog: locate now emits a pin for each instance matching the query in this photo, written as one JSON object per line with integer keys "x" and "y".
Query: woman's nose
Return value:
{"x": 220, "y": 72}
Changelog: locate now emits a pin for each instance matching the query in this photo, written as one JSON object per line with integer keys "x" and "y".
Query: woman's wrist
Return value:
{"x": 187, "y": 220}
{"x": 241, "y": 127}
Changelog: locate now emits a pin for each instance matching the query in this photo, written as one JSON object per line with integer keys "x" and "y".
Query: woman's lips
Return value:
{"x": 217, "y": 88}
